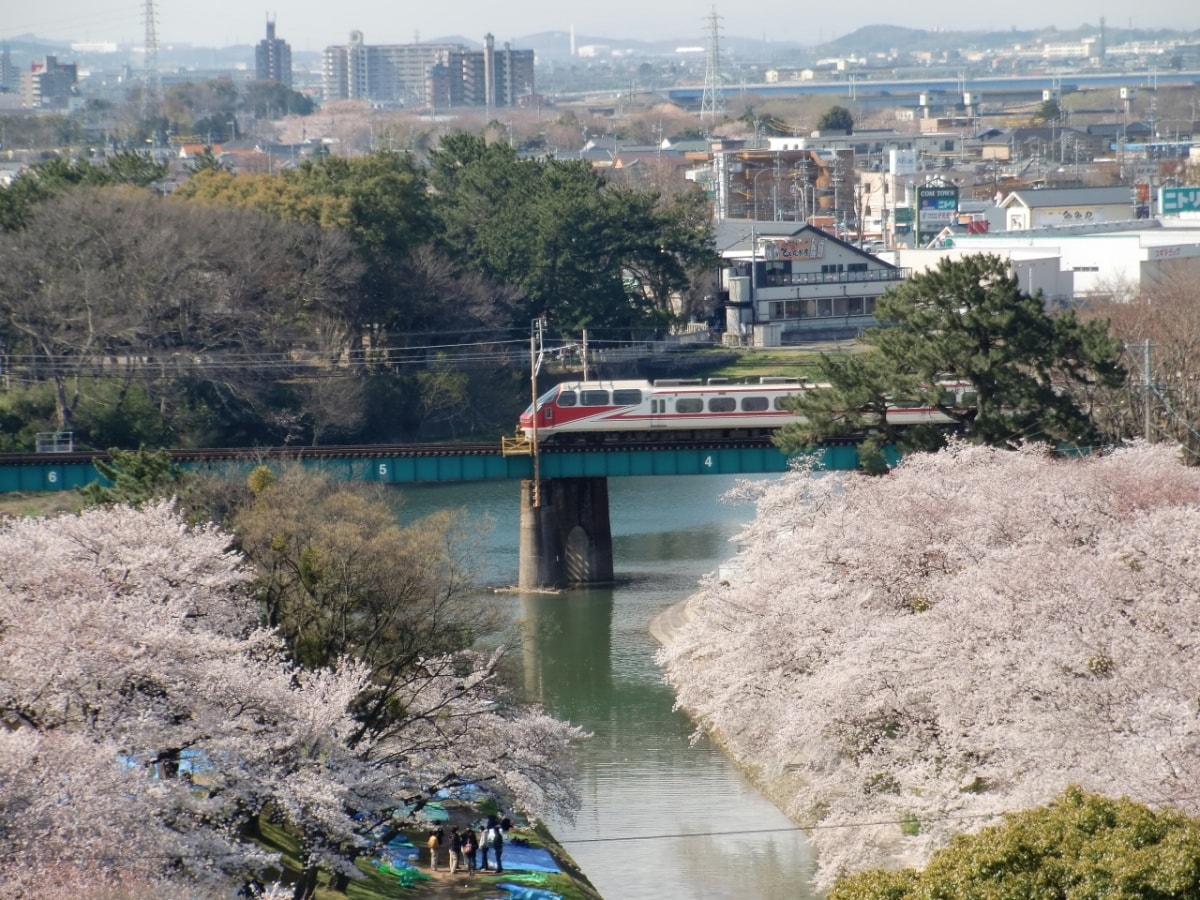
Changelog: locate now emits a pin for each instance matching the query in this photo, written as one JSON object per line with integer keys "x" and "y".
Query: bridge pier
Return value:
{"x": 567, "y": 539}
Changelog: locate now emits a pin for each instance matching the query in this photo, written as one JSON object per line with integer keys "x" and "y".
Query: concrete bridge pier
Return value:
{"x": 567, "y": 538}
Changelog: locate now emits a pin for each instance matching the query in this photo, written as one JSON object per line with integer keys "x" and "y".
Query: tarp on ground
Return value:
{"x": 528, "y": 859}
{"x": 398, "y": 851}
{"x": 520, "y": 892}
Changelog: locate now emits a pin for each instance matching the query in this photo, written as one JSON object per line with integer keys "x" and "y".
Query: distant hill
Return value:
{"x": 884, "y": 38}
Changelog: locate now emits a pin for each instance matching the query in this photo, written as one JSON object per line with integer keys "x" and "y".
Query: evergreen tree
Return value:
{"x": 1033, "y": 376}
{"x": 134, "y": 477}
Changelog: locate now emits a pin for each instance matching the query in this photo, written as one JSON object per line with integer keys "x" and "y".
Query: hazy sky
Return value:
{"x": 315, "y": 24}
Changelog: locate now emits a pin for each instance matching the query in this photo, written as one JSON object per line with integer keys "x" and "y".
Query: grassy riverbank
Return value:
{"x": 377, "y": 884}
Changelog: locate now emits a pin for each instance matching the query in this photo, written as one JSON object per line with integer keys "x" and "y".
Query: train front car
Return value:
{"x": 587, "y": 410}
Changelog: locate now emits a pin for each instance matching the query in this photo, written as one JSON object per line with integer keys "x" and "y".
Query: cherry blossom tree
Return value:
{"x": 905, "y": 658}
{"x": 148, "y": 720}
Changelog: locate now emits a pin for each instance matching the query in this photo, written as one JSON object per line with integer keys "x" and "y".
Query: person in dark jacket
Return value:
{"x": 470, "y": 846}
{"x": 498, "y": 847}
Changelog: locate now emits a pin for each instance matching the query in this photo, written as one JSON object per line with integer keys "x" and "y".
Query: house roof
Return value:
{"x": 733, "y": 237}
{"x": 1101, "y": 196}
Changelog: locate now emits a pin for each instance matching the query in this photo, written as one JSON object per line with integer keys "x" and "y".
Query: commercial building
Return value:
{"x": 786, "y": 283}
{"x": 1025, "y": 210}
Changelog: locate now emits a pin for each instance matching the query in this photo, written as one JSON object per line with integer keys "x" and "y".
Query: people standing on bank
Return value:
{"x": 487, "y": 841}
{"x": 470, "y": 844}
{"x": 493, "y": 839}
{"x": 456, "y": 850}
{"x": 434, "y": 843}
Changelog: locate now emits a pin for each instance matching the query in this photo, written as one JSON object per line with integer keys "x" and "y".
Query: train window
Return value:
{"x": 781, "y": 403}
{"x": 566, "y": 398}
{"x": 754, "y": 404}
{"x": 628, "y": 397}
{"x": 969, "y": 398}
{"x": 689, "y": 405}
{"x": 722, "y": 404}
{"x": 593, "y": 398}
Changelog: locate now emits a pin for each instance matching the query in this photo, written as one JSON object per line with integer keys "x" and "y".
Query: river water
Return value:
{"x": 662, "y": 817}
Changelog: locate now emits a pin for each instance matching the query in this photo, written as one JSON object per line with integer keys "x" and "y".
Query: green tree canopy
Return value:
{"x": 836, "y": 118}
{"x": 1035, "y": 376}
{"x": 272, "y": 100}
{"x": 50, "y": 178}
{"x": 1081, "y": 846}
{"x": 1049, "y": 111}
{"x": 133, "y": 477}
{"x": 584, "y": 252}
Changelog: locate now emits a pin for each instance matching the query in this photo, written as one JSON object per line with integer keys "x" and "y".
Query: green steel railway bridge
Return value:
{"x": 566, "y": 537}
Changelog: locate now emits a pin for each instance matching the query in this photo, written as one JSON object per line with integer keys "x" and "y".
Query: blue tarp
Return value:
{"x": 528, "y": 859}
{"x": 520, "y": 892}
{"x": 397, "y": 851}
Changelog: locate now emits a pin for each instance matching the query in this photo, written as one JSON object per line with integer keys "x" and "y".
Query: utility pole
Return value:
{"x": 535, "y": 364}
{"x": 1146, "y": 381}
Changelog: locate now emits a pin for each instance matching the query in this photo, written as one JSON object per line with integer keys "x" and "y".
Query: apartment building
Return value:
{"x": 421, "y": 75}
{"x": 273, "y": 58}
{"x": 48, "y": 84}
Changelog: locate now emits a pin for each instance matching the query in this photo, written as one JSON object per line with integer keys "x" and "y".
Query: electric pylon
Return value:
{"x": 712, "y": 103}
{"x": 151, "y": 81}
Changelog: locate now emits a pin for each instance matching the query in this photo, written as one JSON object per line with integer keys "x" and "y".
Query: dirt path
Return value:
{"x": 445, "y": 886}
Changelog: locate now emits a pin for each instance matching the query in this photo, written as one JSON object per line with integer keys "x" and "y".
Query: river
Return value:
{"x": 662, "y": 817}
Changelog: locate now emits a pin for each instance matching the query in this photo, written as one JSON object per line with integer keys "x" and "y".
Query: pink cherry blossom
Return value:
{"x": 904, "y": 657}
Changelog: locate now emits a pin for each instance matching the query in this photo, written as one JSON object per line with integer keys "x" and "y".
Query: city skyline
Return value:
{"x": 309, "y": 25}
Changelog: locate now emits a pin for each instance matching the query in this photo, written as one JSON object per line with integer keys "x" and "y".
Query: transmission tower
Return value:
{"x": 151, "y": 81}
{"x": 712, "y": 104}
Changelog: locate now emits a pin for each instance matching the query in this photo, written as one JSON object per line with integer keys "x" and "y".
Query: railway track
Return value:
{"x": 374, "y": 451}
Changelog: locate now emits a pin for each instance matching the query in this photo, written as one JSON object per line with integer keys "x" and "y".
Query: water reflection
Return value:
{"x": 567, "y": 650}
{"x": 662, "y": 817}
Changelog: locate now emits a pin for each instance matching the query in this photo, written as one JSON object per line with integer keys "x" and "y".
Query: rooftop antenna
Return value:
{"x": 712, "y": 103}
{"x": 151, "y": 81}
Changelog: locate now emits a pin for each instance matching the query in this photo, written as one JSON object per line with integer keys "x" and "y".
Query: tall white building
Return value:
{"x": 418, "y": 75}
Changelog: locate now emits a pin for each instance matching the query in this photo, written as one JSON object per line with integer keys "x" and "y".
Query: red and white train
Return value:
{"x": 587, "y": 411}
